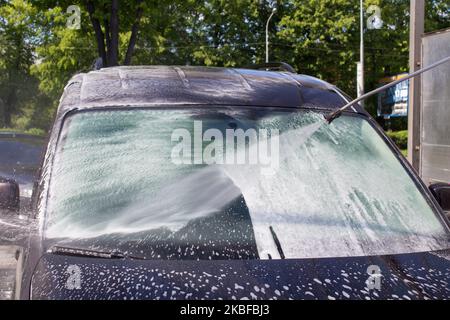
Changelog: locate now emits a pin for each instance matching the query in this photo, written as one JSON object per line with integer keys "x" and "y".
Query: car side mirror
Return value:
{"x": 9, "y": 195}
{"x": 441, "y": 191}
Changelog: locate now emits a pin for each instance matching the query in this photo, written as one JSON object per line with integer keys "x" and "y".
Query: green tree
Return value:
{"x": 321, "y": 38}
{"x": 317, "y": 37}
{"x": 62, "y": 52}
{"x": 437, "y": 15}
{"x": 108, "y": 18}
{"x": 18, "y": 29}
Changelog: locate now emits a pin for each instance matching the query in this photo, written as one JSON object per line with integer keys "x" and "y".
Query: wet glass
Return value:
{"x": 334, "y": 190}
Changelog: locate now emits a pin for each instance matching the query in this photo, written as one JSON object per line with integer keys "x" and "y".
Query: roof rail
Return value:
{"x": 273, "y": 66}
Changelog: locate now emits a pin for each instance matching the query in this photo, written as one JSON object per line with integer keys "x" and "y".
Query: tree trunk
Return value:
{"x": 107, "y": 33}
{"x": 98, "y": 33}
{"x": 10, "y": 107}
{"x": 2, "y": 113}
{"x": 113, "y": 50}
{"x": 134, "y": 33}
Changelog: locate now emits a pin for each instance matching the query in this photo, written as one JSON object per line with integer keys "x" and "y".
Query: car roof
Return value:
{"x": 189, "y": 85}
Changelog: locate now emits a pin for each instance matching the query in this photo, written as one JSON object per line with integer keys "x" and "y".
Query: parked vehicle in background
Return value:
{"x": 121, "y": 215}
{"x": 393, "y": 102}
{"x": 20, "y": 159}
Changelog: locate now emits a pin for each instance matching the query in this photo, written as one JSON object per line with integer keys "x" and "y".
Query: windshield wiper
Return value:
{"x": 277, "y": 242}
{"x": 79, "y": 252}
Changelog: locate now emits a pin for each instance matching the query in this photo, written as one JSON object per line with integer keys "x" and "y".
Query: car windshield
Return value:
{"x": 233, "y": 183}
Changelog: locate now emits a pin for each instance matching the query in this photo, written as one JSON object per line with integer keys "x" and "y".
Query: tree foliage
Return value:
{"x": 16, "y": 55}
{"x": 39, "y": 53}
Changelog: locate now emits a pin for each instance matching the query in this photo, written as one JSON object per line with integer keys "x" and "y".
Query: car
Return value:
{"x": 20, "y": 156}
{"x": 20, "y": 159}
{"x": 185, "y": 182}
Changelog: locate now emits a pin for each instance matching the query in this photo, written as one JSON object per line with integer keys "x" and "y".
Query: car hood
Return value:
{"x": 404, "y": 276}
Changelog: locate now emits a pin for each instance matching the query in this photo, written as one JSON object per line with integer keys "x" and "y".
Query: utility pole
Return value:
{"x": 416, "y": 29}
{"x": 267, "y": 34}
{"x": 360, "y": 64}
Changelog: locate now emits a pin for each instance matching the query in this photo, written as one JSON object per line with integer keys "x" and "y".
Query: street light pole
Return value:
{"x": 360, "y": 72}
{"x": 267, "y": 34}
